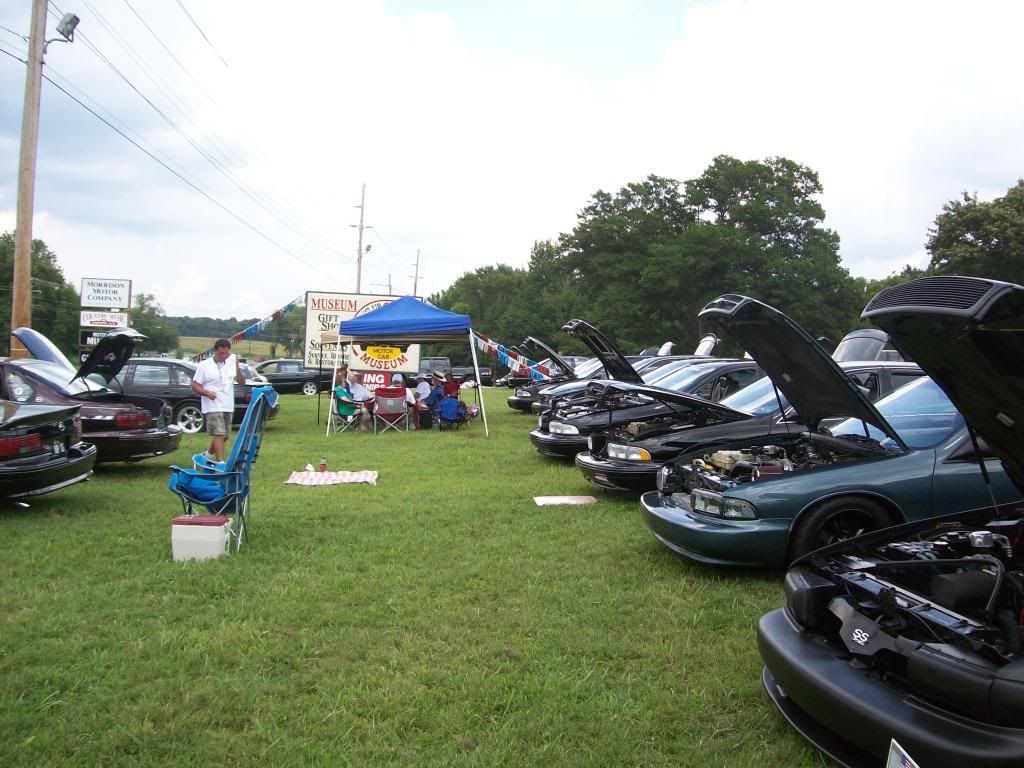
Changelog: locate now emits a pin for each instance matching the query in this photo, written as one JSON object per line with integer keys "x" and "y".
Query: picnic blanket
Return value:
{"x": 331, "y": 478}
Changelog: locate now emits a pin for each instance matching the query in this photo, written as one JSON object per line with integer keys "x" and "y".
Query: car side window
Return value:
{"x": 152, "y": 375}
{"x": 269, "y": 368}
{"x": 899, "y": 378}
{"x": 18, "y": 389}
{"x": 288, "y": 368}
{"x": 181, "y": 377}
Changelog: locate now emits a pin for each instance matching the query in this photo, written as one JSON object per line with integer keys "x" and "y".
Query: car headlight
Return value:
{"x": 558, "y": 428}
{"x": 668, "y": 480}
{"x": 628, "y": 452}
{"x": 717, "y": 505}
{"x": 540, "y": 421}
{"x": 522, "y": 393}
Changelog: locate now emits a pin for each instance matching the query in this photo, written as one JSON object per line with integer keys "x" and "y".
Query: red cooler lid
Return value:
{"x": 202, "y": 520}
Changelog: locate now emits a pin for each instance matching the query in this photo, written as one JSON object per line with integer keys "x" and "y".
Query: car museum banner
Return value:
{"x": 326, "y": 311}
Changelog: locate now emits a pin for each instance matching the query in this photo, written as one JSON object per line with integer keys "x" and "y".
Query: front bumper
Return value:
{"x": 616, "y": 475}
{"x": 751, "y": 543}
{"x": 134, "y": 445}
{"x": 520, "y": 403}
{"x": 35, "y": 476}
{"x": 558, "y": 446}
{"x": 855, "y": 716}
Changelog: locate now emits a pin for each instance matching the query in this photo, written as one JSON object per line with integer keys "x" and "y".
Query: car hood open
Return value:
{"x": 107, "y": 358}
{"x": 967, "y": 333}
{"x": 566, "y": 370}
{"x": 670, "y": 398}
{"x": 810, "y": 379}
{"x": 616, "y": 366}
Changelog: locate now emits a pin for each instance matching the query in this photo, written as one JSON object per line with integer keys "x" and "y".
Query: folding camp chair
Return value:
{"x": 390, "y": 409}
{"x": 344, "y": 413}
{"x": 222, "y": 488}
{"x": 452, "y": 414}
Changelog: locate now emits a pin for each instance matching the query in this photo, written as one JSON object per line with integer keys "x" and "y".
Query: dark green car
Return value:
{"x": 908, "y": 457}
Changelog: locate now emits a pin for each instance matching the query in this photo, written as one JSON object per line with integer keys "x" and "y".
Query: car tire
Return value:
{"x": 189, "y": 417}
{"x": 309, "y": 388}
{"x": 836, "y": 520}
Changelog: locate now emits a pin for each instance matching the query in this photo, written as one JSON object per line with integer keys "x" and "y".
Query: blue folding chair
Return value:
{"x": 222, "y": 488}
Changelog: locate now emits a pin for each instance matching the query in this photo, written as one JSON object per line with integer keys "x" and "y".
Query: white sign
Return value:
{"x": 898, "y": 757}
{"x": 325, "y": 311}
{"x": 104, "y": 319}
{"x": 106, "y": 293}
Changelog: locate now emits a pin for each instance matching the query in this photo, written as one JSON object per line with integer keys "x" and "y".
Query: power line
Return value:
{"x": 216, "y": 202}
{"x": 263, "y": 201}
{"x": 196, "y": 25}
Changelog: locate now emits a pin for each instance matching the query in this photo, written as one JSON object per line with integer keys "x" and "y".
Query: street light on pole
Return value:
{"x": 21, "y": 292}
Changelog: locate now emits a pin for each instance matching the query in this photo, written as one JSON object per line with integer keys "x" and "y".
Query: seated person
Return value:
{"x": 433, "y": 400}
{"x": 397, "y": 380}
{"x": 356, "y": 395}
{"x": 422, "y": 388}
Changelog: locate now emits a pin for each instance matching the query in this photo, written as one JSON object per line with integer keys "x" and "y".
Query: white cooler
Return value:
{"x": 200, "y": 537}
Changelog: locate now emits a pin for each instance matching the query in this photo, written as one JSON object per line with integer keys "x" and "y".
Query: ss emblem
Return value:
{"x": 860, "y": 637}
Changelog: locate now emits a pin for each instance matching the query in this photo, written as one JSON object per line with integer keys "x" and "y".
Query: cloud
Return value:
{"x": 478, "y": 131}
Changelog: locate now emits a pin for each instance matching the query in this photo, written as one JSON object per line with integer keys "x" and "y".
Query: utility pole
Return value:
{"x": 21, "y": 285}
{"x": 21, "y": 289}
{"x": 416, "y": 277}
{"x": 382, "y": 284}
{"x": 359, "y": 247}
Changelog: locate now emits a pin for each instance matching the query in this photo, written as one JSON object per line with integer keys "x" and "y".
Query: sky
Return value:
{"x": 479, "y": 128}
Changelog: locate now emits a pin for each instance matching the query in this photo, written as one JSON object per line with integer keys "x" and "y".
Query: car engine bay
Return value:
{"x": 724, "y": 469}
{"x": 939, "y": 615}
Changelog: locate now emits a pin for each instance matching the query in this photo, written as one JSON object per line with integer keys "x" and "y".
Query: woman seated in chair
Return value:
{"x": 353, "y": 398}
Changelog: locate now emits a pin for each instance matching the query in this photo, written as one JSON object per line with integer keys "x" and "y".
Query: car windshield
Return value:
{"x": 679, "y": 380}
{"x": 587, "y": 369}
{"x": 759, "y": 399}
{"x": 57, "y": 377}
{"x": 920, "y": 413}
{"x": 655, "y": 374}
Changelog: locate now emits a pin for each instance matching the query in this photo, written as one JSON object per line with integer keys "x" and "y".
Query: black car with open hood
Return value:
{"x": 686, "y": 394}
{"x": 122, "y": 427}
{"x": 915, "y": 634}
{"x": 525, "y": 387}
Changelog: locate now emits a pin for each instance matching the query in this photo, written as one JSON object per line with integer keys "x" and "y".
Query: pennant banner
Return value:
{"x": 513, "y": 360}
{"x": 253, "y": 329}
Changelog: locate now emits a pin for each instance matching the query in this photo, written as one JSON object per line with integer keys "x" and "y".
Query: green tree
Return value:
{"x": 148, "y": 318}
{"x": 971, "y": 237}
{"x": 55, "y": 303}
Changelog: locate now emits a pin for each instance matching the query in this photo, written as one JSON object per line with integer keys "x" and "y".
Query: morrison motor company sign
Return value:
{"x": 106, "y": 293}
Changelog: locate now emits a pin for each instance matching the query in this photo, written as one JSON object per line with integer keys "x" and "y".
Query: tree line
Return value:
{"x": 639, "y": 264}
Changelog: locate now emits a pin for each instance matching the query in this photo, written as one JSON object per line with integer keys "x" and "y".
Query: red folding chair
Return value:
{"x": 390, "y": 410}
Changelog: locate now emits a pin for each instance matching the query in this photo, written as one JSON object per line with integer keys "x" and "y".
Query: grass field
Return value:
{"x": 193, "y": 345}
{"x": 437, "y": 618}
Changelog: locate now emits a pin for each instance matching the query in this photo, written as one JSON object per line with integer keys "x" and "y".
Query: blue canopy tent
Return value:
{"x": 408, "y": 320}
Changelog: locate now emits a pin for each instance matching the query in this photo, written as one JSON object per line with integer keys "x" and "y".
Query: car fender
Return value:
{"x": 890, "y": 504}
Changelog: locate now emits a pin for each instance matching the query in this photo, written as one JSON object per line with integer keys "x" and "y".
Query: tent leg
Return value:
{"x": 476, "y": 367}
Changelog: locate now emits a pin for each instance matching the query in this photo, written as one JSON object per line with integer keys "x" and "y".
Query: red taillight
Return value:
{"x": 248, "y": 395}
{"x": 11, "y": 447}
{"x": 138, "y": 420}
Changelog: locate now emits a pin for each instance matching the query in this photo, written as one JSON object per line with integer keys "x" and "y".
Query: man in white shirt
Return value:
{"x": 214, "y": 382}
